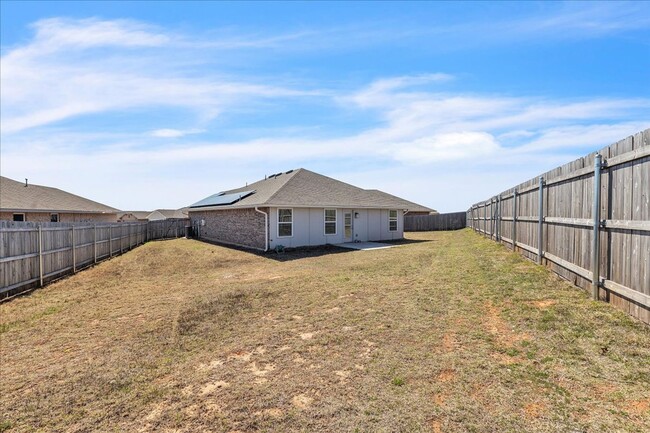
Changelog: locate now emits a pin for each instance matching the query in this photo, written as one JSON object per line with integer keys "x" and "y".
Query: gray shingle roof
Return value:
{"x": 167, "y": 213}
{"x": 15, "y": 196}
{"x": 139, "y": 214}
{"x": 304, "y": 188}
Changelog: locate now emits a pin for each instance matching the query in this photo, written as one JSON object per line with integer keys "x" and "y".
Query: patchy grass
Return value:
{"x": 447, "y": 333}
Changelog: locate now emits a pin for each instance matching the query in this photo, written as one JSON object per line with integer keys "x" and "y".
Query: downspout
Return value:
{"x": 266, "y": 228}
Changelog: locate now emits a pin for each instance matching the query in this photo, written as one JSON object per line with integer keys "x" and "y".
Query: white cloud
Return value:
{"x": 445, "y": 147}
{"x": 424, "y": 136}
{"x": 174, "y": 133}
{"x": 59, "y": 75}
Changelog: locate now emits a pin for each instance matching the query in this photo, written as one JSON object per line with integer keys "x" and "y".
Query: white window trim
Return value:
{"x": 391, "y": 219}
{"x": 18, "y": 213}
{"x": 278, "y": 222}
{"x": 336, "y": 222}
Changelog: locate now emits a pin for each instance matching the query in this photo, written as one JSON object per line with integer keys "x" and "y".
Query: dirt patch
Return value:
{"x": 534, "y": 410}
{"x": 543, "y": 304}
{"x": 449, "y": 342}
{"x": 446, "y": 375}
{"x": 436, "y": 426}
{"x": 307, "y": 335}
{"x": 302, "y": 401}
{"x": 273, "y": 413}
{"x": 211, "y": 387}
{"x": 638, "y": 407}
{"x": 495, "y": 325}
{"x": 439, "y": 399}
{"x": 263, "y": 371}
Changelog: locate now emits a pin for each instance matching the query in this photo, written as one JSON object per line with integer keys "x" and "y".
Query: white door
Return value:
{"x": 348, "y": 228}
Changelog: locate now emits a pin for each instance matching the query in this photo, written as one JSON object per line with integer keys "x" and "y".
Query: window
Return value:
{"x": 19, "y": 217}
{"x": 54, "y": 217}
{"x": 392, "y": 220}
{"x": 285, "y": 223}
{"x": 330, "y": 221}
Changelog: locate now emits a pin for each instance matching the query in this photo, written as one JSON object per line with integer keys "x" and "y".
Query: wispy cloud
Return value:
{"x": 412, "y": 125}
{"x": 64, "y": 72}
{"x": 175, "y": 133}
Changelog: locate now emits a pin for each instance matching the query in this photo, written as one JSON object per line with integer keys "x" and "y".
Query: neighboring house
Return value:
{"x": 133, "y": 216}
{"x": 300, "y": 208}
{"x": 164, "y": 214}
{"x": 25, "y": 202}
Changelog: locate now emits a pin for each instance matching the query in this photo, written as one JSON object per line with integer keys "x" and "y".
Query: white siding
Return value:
{"x": 309, "y": 227}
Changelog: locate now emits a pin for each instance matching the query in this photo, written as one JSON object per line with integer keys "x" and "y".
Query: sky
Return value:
{"x": 144, "y": 105}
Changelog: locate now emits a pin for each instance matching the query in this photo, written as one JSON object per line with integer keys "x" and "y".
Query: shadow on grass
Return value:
{"x": 298, "y": 253}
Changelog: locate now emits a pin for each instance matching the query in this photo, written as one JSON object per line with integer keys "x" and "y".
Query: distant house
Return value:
{"x": 26, "y": 202}
{"x": 164, "y": 214}
{"x": 133, "y": 216}
{"x": 300, "y": 208}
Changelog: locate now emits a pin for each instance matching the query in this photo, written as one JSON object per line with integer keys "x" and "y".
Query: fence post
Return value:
{"x": 499, "y": 218}
{"x": 40, "y": 254}
{"x": 94, "y": 243}
{"x": 491, "y": 217}
{"x": 74, "y": 254}
{"x": 485, "y": 219}
{"x": 540, "y": 228}
{"x": 110, "y": 240}
{"x": 595, "y": 248}
{"x": 514, "y": 220}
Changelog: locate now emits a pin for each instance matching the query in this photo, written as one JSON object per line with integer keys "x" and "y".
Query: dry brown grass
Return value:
{"x": 455, "y": 334}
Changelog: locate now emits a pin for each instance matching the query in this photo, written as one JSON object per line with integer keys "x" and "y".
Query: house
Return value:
{"x": 300, "y": 208}
{"x": 164, "y": 214}
{"x": 133, "y": 216}
{"x": 26, "y": 202}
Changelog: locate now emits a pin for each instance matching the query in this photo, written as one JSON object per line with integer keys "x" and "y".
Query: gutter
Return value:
{"x": 266, "y": 228}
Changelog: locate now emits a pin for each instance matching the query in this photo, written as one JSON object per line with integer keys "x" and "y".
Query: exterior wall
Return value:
{"x": 130, "y": 218}
{"x": 63, "y": 217}
{"x": 380, "y": 231}
{"x": 243, "y": 227}
{"x": 309, "y": 227}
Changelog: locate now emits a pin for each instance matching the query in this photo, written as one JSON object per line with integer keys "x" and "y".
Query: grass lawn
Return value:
{"x": 447, "y": 333}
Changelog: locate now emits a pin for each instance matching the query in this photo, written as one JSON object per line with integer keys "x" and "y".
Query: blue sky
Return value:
{"x": 147, "y": 105}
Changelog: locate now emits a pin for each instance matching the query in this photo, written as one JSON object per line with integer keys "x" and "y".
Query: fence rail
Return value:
{"x": 33, "y": 254}
{"x": 443, "y": 221}
{"x": 588, "y": 220}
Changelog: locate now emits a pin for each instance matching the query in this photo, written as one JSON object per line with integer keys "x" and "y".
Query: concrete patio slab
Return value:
{"x": 364, "y": 246}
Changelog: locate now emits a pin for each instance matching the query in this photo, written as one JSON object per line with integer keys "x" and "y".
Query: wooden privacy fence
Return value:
{"x": 443, "y": 221}
{"x": 590, "y": 217}
{"x": 33, "y": 254}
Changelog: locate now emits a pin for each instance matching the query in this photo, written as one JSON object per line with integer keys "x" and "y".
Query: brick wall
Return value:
{"x": 235, "y": 226}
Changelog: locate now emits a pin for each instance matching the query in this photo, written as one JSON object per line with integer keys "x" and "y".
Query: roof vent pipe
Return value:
{"x": 25, "y": 182}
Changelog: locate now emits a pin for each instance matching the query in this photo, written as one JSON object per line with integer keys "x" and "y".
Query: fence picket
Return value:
{"x": 592, "y": 223}
{"x": 33, "y": 254}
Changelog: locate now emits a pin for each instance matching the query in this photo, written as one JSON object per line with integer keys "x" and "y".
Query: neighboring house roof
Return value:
{"x": 304, "y": 188}
{"x": 138, "y": 214}
{"x": 15, "y": 196}
{"x": 163, "y": 214}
